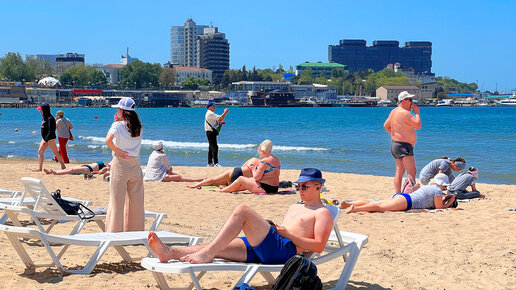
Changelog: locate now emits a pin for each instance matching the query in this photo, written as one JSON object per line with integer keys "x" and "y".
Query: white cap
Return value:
{"x": 441, "y": 179}
{"x": 404, "y": 95}
{"x": 126, "y": 104}
{"x": 157, "y": 145}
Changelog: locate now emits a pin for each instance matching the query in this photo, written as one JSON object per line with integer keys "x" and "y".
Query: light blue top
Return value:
{"x": 424, "y": 197}
{"x": 431, "y": 169}
{"x": 462, "y": 182}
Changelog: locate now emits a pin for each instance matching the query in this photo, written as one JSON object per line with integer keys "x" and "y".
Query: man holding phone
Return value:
{"x": 401, "y": 125}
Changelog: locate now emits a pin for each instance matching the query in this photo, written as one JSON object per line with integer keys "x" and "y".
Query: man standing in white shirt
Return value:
{"x": 212, "y": 122}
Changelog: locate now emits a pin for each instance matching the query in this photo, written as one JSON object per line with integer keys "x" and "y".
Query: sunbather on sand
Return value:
{"x": 266, "y": 176}
{"x": 230, "y": 175}
{"x": 427, "y": 197}
{"x": 97, "y": 167}
{"x": 305, "y": 228}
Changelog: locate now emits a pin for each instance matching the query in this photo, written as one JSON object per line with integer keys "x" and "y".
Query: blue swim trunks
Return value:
{"x": 407, "y": 197}
{"x": 100, "y": 163}
{"x": 274, "y": 249}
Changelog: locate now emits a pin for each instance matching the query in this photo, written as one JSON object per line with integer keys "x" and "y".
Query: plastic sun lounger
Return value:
{"x": 12, "y": 212}
{"x": 349, "y": 247}
{"x": 45, "y": 207}
{"x": 33, "y": 195}
{"x": 102, "y": 241}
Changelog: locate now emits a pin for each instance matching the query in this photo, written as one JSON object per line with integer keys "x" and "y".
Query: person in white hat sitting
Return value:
{"x": 427, "y": 197}
{"x": 159, "y": 168}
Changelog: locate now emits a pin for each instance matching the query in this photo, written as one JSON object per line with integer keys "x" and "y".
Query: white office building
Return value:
{"x": 183, "y": 43}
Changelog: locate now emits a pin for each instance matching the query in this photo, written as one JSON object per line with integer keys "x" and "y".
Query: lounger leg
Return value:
{"x": 78, "y": 227}
{"x": 195, "y": 279}
{"x": 101, "y": 225}
{"x": 160, "y": 279}
{"x": 14, "y": 218}
{"x": 93, "y": 260}
{"x": 21, "y": 251}
{"x": 348, "y": 267}
{"x": 157, "y": 222}
{"x": 268, "y": 277}
{"x": 54, "y": 222}
{"x": 248, "y": 275}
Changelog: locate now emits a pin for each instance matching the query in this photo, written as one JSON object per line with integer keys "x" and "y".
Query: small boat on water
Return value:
{"x": 445, "y": 103}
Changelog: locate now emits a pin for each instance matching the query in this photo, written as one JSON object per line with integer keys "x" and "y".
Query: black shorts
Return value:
{"x": 237, "y": 172}
{"x": 401, "y": 149}
{"x": 269, "y": 188}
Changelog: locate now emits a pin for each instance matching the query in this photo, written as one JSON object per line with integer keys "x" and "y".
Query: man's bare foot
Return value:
{"x": 161, "y": 250}
{"x": 199, "y": 257}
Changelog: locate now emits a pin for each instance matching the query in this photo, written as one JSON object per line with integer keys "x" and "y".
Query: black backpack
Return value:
{"x": 299, "y": 273}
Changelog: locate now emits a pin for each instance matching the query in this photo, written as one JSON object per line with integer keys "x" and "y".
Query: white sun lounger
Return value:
{"x": 349, "y": 247}
{"x": 102, "y": 241}
{"x": 45, "y": 207}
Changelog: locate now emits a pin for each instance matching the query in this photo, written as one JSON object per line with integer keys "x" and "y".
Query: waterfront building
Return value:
{"x": 112, "y": 73}
{"x": 42, "y": 95}
{"x": 358, "y": 56}
{"x": 183, "y": 43}
{"x": 322, "y": 93}
{"x": 12, "y": 92}
{"x": 391, "y": 92}
{"x": 182, "y": 73}
{"x": 43, "y": 57}
{"x": 320, "y": 67}
{"x": 64, "y": 61}
{"x": 213, "y": 52}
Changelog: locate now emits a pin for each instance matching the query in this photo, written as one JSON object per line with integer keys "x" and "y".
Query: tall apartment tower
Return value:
{"x": 183, "y": 43}
{"x": 213, "y": 52}
{"x": 358, "y": 56}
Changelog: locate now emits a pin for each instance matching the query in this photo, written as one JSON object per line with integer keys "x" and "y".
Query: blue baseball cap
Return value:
{"x": 210, "y": 103}
{"x": 310, "y": 174}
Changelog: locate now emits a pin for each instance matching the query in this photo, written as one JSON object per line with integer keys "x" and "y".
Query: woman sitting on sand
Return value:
{"x": 230, "y": 175}
{"x": 265, "y": 177}
{"x": 97, "y": 167}
{"x": 159, "y": 169}
{"x": 427, "y": 197}
{"x": 441, "y": 165}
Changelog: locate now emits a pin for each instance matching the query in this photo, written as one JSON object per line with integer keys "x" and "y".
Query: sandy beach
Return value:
{"x": 470, "y": 248}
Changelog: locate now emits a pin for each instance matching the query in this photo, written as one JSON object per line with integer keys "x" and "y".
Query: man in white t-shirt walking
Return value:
{"x": 212, "y": 122}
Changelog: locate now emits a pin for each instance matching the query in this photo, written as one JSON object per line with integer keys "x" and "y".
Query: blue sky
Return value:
{"x": 472, "y": 40}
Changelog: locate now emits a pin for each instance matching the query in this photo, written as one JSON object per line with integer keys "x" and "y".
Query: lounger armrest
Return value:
{"x": 10, "y": 193}
{"x": 151, "y": 214}
{"x": 349, "y": 237}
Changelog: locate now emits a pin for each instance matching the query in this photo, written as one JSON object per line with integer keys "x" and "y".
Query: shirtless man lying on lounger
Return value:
{"x": 305, "y": 228}
{"x": 93, "y": 168}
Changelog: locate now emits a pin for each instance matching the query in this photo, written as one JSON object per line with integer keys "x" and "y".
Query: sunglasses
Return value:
{"x": 304, "y": 187}
{"x": 409, "y": 99}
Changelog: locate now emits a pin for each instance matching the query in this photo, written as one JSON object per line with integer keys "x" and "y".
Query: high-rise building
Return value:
{"x": 358, "y": 56}
{"x": 213, "y": 52}
{"x": 183, "y": 43}
{"x": 64, "y": 61}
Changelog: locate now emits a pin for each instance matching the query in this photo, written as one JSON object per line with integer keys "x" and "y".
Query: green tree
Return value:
{"x": 193, "y": 84}
{"x": 40, "y": 68}
{"x": 322, "y": 79}
{"x": 167, "y": 77}
{"x": 80, "y": 75}
{"x": 138, "y": 74}
{"x": 306, "y": 76}
{"x": 13, "y": 68}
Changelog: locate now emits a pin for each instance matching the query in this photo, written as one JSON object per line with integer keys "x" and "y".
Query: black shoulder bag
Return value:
{"x": 72, "y": 208}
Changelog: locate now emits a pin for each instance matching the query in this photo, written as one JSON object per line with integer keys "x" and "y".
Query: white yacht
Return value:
{"x": 509, "y": 102}
{"x": 445, "y": 103}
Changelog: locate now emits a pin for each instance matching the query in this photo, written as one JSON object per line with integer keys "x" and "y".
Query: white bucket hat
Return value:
{"x": 158, "y": 145}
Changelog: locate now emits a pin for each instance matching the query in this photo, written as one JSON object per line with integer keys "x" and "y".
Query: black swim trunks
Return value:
{"x": 401, "y": 149}
{"x": 237, "y": 172}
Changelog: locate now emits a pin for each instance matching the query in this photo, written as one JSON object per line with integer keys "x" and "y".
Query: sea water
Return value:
{"x": 339, "y": 139}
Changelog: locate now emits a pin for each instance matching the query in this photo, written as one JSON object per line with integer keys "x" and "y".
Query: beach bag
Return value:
{"x": 72, "y": 208}
{"x": 299, "y": 273}
{"x": 409, "y": 186}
